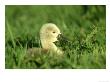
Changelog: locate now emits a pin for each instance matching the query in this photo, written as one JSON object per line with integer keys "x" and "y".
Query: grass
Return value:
{"x": 85, "y": 27}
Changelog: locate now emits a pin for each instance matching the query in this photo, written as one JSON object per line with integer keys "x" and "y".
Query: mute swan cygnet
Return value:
{"x": 49, "y": 34}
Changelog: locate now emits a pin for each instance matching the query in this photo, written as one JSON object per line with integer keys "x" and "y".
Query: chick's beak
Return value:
{"x": 62, "y": 38}
{"x": 59, "y": 37}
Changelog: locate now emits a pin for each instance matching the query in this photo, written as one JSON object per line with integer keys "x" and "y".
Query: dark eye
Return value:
{"x": 54, "y": 32}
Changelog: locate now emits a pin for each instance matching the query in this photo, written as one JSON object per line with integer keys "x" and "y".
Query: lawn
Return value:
{"x": 83, "y": 25}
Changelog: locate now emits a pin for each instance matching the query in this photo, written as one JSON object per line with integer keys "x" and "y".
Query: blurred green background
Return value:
{"x": 84, "y": 25}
